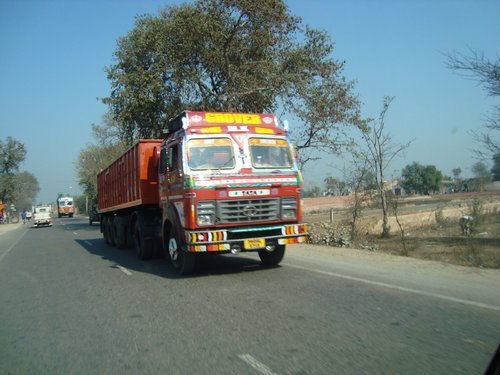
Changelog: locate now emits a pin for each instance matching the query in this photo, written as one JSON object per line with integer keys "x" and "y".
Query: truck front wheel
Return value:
{"x": 182, "y": 261}
{"x": 272, "y": 258}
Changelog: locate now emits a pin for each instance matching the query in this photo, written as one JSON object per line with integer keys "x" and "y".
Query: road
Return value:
{"x": 70, "y": 304}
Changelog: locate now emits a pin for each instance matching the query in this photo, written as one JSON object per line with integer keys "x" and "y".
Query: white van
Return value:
{"x": 41, "y": 216}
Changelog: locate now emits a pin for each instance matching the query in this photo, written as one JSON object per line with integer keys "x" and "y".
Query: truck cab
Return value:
{"x": 65, "y": 207}
{"x": 229, "y": 183}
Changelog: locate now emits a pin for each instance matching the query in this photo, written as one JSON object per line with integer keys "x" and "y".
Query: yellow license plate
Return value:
{"x": 256, "y": 243}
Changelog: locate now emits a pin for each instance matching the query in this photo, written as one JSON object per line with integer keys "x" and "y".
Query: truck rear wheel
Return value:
{"x": 182, "y": 261}
{"x": 272, "y": 258}
{"x": 110, "y": 227}
{"x": 143, "y": 247}
{"x": 105, "y": 230}
{"x": 119, "y": 230}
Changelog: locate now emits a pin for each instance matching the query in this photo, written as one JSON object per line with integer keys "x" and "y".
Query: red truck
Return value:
{"x": 214, "y": 183}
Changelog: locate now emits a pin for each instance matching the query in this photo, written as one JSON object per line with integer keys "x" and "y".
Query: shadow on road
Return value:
{"x": 206, "y": 264}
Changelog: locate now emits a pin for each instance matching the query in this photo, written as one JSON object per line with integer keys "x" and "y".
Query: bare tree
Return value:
{"x": 380, "y": 152}
{"x": 487, "y": 73}
{"x": 361, "y": 181}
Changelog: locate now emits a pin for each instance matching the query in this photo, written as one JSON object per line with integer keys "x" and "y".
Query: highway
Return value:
{"x": 69, "y": 304}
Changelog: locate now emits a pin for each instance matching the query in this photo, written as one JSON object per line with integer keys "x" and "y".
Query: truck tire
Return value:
{"x": 120, "y": 234}
{"x": 105, "y": 231}
{"x": 111, "y": 232}
{"x": 272, "y": 258}
{"x": 183, "y": 262}
{"x": 143, "y": 247}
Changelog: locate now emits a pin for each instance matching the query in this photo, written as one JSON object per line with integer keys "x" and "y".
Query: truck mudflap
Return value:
{"x": 245, "y": 239}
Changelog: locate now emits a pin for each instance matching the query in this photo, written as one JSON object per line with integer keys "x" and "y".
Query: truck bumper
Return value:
{"x": 245, "y": 239}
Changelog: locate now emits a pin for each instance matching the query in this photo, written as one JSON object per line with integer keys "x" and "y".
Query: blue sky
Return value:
{"x": 53, "y": 54}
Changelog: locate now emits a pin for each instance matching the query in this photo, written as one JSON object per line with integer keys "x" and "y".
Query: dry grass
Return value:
{"x": 431, "y": 230}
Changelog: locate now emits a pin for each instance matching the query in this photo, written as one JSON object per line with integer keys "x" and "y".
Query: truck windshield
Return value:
{"x": 212, "y": 153}
{"x": 270, "y": 153}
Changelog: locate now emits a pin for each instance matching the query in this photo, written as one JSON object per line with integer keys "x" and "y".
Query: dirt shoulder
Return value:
{"x": 428, "y": 227}
{"x": 433, "y": 277}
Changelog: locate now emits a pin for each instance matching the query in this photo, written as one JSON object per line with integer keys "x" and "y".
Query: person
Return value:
{"x": 23, "y": 216}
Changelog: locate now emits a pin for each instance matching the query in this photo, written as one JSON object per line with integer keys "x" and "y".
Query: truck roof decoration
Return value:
{"x": 217, "y": 122}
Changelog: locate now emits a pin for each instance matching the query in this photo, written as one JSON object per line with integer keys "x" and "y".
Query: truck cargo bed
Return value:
{"x": 132, "y": 179}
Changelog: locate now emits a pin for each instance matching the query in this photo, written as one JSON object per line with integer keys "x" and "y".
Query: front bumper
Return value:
{"x": 246, "y": 238}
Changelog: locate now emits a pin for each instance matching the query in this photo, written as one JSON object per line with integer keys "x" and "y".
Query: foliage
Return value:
{"x": 19, "y": 188}
{"x": 27, "y": 189}
{"x": 335, "y": 186}
{"x": 481, "y": 173}
{"x": 230, "y": 55}
{"x": 95, "y": 158}
{"x": 487, "y": 73}
{"x": 495, "y": 170}
{"x": 12, "y": 154}
{"x": 421, "y": 179}
{"x": 312, "y": 192}
{"x": 91, "y": 161}
{"x": 81, "y": 203}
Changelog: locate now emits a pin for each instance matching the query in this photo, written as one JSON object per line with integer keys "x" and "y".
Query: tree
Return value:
{"x": 12, "y": 154}
{"x": 27, "y": 189}
{"x": 361, "y": 180}
{"x": 487, "y": 73}
{"x": 230, "y": 55}
{"x": 481, "y": 173}
{"x": 335, "y": 186}
{"x": 379, "y": 154}
{"x": 456, "y": 173}
{"x": 95, "y": 158}
{"x": 421, "y": 179}
{"x": 495, "y": 170}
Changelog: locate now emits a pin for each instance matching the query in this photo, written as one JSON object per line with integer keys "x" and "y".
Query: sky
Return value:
{"x": 53, "y": 54}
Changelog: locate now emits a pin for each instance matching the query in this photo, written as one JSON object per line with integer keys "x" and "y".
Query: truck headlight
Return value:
{"x": 205, "y": 213}
{"x": 288, "y": 208}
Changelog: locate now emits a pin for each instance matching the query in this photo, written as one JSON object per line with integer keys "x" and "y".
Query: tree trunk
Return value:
{"x": 385, "y": 221}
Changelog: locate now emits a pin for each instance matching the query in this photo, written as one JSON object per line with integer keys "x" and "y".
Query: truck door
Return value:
{"x": 174, "y": 183}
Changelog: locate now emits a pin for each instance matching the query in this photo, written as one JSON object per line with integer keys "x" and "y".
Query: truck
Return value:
{"x": 65, "y": 207}
{"x": 213, "y": 183}
{"x": 42, "y": 216}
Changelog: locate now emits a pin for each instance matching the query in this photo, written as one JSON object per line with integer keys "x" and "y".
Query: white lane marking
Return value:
{"x": 123, "y": 269}
{"x": 88, "y": 242}
{"x": 12, "y": 246}
{"x": 260, "y": 367}
{"x": 401, "y": 288}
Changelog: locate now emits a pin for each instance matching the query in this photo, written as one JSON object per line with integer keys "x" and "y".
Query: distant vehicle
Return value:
{"x": 94, "y": 215}
{"x": 65, "y": 207}
{"x": 41, "y": 216}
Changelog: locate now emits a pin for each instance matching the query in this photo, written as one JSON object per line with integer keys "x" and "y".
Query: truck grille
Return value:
{"x": 247, "y": 210}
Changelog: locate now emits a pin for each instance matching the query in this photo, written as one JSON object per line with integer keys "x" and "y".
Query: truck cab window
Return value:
{"x": 211, "y": 153}
{"x": 163, "y": 161}
{"x": 173, "y": 158}
{"x": 270, "y": 153}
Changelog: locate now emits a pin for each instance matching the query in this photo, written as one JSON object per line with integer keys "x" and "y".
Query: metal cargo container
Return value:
{"x": 132, "y": 179}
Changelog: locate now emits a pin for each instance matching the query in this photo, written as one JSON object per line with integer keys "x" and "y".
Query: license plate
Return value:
{"x": 256, "y": 243}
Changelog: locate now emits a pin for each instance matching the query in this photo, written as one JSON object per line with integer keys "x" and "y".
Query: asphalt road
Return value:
{"x": 71, "y": 305}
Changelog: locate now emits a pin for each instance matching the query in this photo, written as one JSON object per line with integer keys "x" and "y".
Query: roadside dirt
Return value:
{"x": 429, "y": 229}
